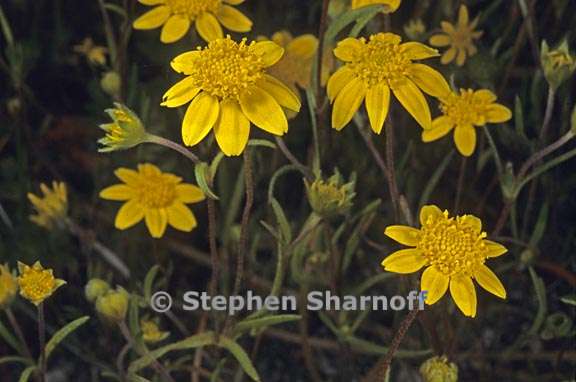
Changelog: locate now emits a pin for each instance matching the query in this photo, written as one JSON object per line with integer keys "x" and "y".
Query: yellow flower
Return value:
{"x": 8, "y": 287}
{"x": 52, "y": 207}
{"x": 453, "y": 250}
{"x": 36, "y": 283}
{"x": 125, "y": 131}
{"x": 158, "y": 198}
{"x": 229, "y": 87}
{"x": 375, "y": 67}
{"x": 151, "y": 332}
{"x": 95, "y": 54}
{"x": 558, "y": 64}
{"x": 438, "y": 369}
{"x": 332, "y": 197}
{"x": 95, "y": 288}
{"x": 459, "y": 37}
{"x": 462, "y": 112}
{"x": 390, "y": 5}
{"x": 415, "y": 29}
{"x": 176, "y": 17}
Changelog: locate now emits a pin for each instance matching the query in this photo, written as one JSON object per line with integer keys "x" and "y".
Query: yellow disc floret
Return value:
{"x": 193, "y": 8}
{"x": 36, "y": 283}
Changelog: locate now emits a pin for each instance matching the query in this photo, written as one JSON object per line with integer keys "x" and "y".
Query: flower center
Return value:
{"x": 453, "y": 245}
{"x": 462, "y": 37}
{"x": 193, "y": 8}
{"x": 156, "y": 191}
{"x": 382, "y": 58}
{"x": 464, "y": 109}
{"x": 37, "y": 284}
{"x": 225, "y": 69}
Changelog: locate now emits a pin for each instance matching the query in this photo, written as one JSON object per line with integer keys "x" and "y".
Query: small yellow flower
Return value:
{"x": 331, "y": 197}
{"x": 228, "y": 87}
{"x": 151, "y": 332}
{"x": 462, "y": 112}
{"x": 8, "y": 287}
{"x": 52, "y": 207}
{"x": 453, "y": 250}
{"x": 125, "y": 131}
{"x": 390, "y": 5}
{"x": 438, "y": 369}
{"x": 158, "y": 198}
{"x": 376, "y": 66}
{"x": 113, "y": 305}
{"x": 415, "y": 29}
{"x": 36, "y": 283}
{"x": 558, "y": 64}
{"x": 93, "y": 53}
{"x": 176, "y": 17}
{"x": 459, "y": 37}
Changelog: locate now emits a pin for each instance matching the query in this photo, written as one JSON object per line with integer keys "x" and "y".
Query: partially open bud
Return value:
{"x": 113, "y": 305}
{"x": 332, "y": 197}
{"x": 438, "y": 369}
{"x": 96, "y": 288}
{"x": 558, "y": 64}
{"x": 8, "y": 287}
{"x": 111, "y": 83}
{"x": 125, "y": 132}
{"x": 151, "y": 333}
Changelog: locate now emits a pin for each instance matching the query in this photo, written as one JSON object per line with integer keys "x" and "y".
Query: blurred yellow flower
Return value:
{"x": 125, "y": 131}
{"x": 438, "y": 369}
{"x": 112, "y": 306}
{"x": 159, "y": 198}
{"x": 95, "y": 288}
{"x": 462, "y": 112}
{"x": 8, "y": 287}
{"x": 390, "y": 5}
{"x": 36, "y": 283}
{"x": 459, "y": 37}
{"x": 414, "y": 29}
{"x": 52, "y": 207}
{"x": 228, "y": 87}
{"x": 453, "y": 250}
{"x": 176, "y": 17}
{"x": 151, "y": 332}
{"x": 94, "y": 54}
{"x": 374, "y": 67}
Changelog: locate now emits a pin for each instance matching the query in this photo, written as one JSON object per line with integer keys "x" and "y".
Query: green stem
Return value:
{"x": 174, "y": 146}
{"x": 42, "y": 342}
{"x": 6, "y": 30}
{"x": 19, "y": 333}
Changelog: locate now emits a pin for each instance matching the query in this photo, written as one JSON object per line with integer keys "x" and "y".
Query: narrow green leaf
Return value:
{"x": 361, "y": 22}
{"x": 25, "y": 376}
{"x": 149, "y": 282}
{"x": 570, "y": 300}
{"x": 348, "y": 18}
{"x": 519, "y": 117}
{"x": 61, "y": 334}
{"x": 9, "y": 338}
{"x": 215, "y": 164}
{"x": 15, "y": 359}
{"x": 281, "y": 171}
{"x": 241, "y": 357}
{"x": 262, "y": 143}
{"x": 258, "y": 323}
{"x": 201, "y": 173}
{"x": 540, "y": 291}
{"x": 285, "y": 229}
{"x": 540, "y": 227}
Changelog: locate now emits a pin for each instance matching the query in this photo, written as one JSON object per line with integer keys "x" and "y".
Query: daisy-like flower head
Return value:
{"x": 439, "y": 369}
{"x": 176, "y": 16}
{"x": 36, "y": 283}
{"x": 151, "y": 333}
{"x": 94, "y": 54}
{"x": 8, "y": 287}
{"x": 158, "y": 197}
{"x": 125, "y": 131}
{"x": 459, "y": 37}
{"x": 230, "y": 88}
{"x": 461, "y": 112}
{"x": 390, "y": 5}
{"x": 52, "y": 207}
{"x": 453, "y": 250}
{"x": 375, "y": 66}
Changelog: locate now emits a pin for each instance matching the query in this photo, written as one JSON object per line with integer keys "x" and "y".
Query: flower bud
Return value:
{"x": 151, "y": 332}
{"x": 8, "y": 287}
{"x": 113, "y": 305}
{"x": 111, "y": 83}
{"x": 558, "y": 64}
{"x": 95, "y": 288}
{"x": 125, "y": 132}
{"x": 332, "y": 197}
{"x": 438, "y": 369}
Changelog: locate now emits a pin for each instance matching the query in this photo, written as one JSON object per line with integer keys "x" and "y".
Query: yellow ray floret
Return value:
{"x": 453, "y": 250}
{"x": 390, "y": 5}
{"x": 176, "y": 17}
{"x": 461, "y": 112}
{"x": 228, "y": 87}
{"x": 158, "y": 197}
{"x": 376, "y": 68}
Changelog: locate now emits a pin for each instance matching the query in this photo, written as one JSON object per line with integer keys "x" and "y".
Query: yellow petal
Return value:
{"x": 188, "y": 193}
{"x": 464, "y": 294}
{"x": 153, "y": 18}
{"x": 156, "y": 221}
{"x": 448, "y": 56}
{"x": 200, "y": 117}
{"x": 485, "y": 95}
{"x": 440, "y": 127}
{"x": 263, "y": 111}
{"x": 461, "y": 58}
{"x": 497, "y": 113}
{"x": 403, "y": 234}
{"x": 440, "y": 40}
{"x": 234, "y": 2}
{"x": 414, "y": 102}
{"x": 431, "y": 212}
{"x": 348, "y": 49}
{"x": 149, "y": 169}
{"x": 338, "y": 81}
{"x": 405, "y": 261}
{"x": 181, "y": 218}
{"x": 129, "y": 214}
{"x": 465, "y": 139}
{"x": 447, "y": 27}
{"x": 184, "y": 62}
{"x": 174, "y": 29}
{"x": 208, "y": 27}
{"x": 347, "y": 103}
{"x": 473, "y": 222}
{"x": 429, "y": 80}
{"x": 281, "y": 38}
{"x": 494, "y": 249}
{"x": 118, "y": 192}
{"x": 233, "y": 19}
{"x": 304, "y": 46}
{"x": 463, "y": 17}
{"x": 377, "y": 105}
{"x": 181, "y": 93}
{"x": 435, "y": 283}
{"x": 127, "y": 175}
{"x": 489, "y": 281}
{"x": 281, "y": 93}
{"x": 419, "y": 51}
{"x": 270, "y": 52}
{"x": 152, "y": 2}
{"x": 232, "y": 128}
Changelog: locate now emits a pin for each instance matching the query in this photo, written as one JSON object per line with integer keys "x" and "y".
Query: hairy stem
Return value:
{"x": 42, "y": 341}
{"x": 174, "y": 146}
